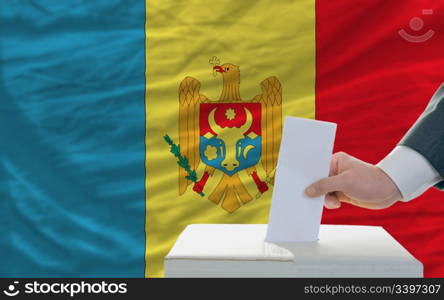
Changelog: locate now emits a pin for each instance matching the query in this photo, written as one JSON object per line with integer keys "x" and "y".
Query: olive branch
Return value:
{"x": 181, "y": 160}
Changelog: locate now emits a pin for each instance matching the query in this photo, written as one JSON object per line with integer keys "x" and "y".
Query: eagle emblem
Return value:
{"x": 229, "y": 135}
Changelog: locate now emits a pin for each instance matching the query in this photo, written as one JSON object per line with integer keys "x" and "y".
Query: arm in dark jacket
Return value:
{"x": 426, "y": 136}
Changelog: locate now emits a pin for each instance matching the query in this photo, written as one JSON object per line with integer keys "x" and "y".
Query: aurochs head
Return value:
{"x": 231, "y": 138}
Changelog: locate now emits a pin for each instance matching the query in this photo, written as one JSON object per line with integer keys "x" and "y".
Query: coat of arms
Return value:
{"x": 228, "y": 135}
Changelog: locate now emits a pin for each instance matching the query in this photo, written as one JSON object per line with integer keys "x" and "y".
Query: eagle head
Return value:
{"x": 229, "y": 72}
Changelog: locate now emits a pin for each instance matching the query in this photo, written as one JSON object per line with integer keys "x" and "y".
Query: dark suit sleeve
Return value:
{"x": 426, "y": 136}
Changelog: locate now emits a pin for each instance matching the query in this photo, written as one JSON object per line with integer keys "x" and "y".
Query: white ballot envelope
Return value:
{"x": 304, "y": 157}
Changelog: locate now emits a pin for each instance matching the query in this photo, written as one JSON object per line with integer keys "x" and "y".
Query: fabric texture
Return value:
{"x": 72, "y": 127}
{"x": 374, "y": 83}
{"x": 192, "y": 49}
{"x": 89, "y": 186}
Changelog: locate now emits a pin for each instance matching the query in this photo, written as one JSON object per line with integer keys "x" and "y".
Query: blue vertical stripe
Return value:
{"x": 72, "y": 138}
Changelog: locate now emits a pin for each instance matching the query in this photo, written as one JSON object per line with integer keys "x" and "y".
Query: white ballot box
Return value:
{"x": 225, "y": 250}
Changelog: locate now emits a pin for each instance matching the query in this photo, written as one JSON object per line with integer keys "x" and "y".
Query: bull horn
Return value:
{"x": 249, "y": 120}
{"x": 212, "y": 122}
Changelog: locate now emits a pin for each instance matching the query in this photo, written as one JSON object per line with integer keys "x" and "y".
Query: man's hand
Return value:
{"x": 353, "y": 181}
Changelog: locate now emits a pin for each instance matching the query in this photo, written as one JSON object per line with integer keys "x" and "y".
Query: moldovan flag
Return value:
{"x": 121, "y": 122}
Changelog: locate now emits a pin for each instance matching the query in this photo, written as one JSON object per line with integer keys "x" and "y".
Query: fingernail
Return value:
{"x": 336, "y": 205}
{"x": 310, "y": 191}
{"x": 332, "y": 205}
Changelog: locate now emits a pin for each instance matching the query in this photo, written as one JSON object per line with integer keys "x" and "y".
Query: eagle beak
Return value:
{"x": 218, "y": 69}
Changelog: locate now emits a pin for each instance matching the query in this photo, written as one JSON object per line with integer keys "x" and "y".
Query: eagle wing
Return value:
{"x": 271, "y": 100}
{"x": 189, "y": 105}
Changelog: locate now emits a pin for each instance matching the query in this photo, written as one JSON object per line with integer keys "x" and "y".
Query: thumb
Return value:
{"x": 325, "y": 186}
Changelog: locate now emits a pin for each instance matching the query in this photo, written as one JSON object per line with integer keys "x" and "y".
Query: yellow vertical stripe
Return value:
{"x": 265, "y": 38}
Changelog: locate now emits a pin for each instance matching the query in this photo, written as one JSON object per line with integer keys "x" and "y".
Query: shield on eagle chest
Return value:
{"x": 230, "y": 135}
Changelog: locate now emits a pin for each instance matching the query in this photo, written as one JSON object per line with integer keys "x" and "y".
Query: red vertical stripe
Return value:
{"x": 374, "y": 84}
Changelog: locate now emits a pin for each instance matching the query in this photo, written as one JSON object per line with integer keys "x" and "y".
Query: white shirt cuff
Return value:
{"x": 410, "y": 171}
